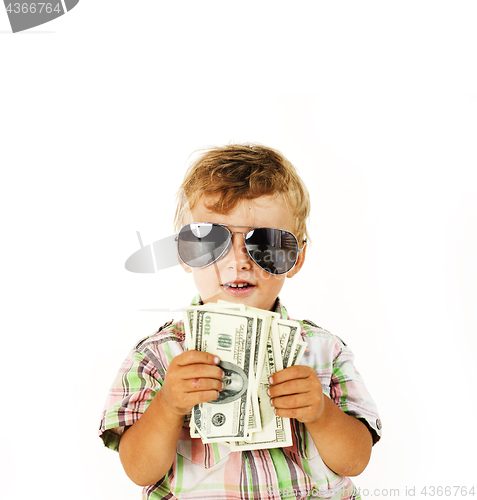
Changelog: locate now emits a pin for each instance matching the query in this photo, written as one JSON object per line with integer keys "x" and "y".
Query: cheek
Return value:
{"x": 206, "y": 279}
{"x": 270, "y": 281}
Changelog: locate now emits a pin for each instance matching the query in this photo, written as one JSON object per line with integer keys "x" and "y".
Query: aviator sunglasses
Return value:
{"x": 199, "y": 244}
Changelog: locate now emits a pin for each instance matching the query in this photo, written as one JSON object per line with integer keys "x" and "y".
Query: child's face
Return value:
{"x": 215, "y": 282}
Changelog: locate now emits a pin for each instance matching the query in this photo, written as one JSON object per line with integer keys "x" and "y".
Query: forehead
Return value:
{"x": 264, "y": 211}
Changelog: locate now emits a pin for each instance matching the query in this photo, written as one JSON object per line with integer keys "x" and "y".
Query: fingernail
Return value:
{"x": 270, "y": 380}
{"x": 268, "y": 392}
{"x": 223, "y": 374}
{"x": 223, "y": 386}
{"x": 216, "y": 360}
{"x": 271, "y": 402}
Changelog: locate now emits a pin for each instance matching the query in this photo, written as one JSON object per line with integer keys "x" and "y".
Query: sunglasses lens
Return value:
{"x": 274, "y": 250}
{"x": 200, "y": 244}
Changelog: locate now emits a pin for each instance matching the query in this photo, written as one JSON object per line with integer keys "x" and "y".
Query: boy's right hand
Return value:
{"x": 193, "y": 377}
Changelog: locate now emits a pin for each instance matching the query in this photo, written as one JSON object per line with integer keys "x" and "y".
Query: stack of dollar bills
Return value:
{"x": 252, "y": 344}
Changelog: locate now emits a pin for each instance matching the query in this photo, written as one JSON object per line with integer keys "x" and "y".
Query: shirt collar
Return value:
{"x": 196, "y": 301}
{"x": 280, "y": 309}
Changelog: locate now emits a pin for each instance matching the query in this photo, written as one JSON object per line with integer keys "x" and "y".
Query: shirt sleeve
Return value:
{"x": 348, "y": 391}
{"x": 135, "y": 385}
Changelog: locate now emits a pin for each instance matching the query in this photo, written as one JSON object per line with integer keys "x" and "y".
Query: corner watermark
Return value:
{"x": 27, "y": 14}
{"x": 426, "y": 491}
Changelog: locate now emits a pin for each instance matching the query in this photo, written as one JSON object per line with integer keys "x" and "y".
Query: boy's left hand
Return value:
{"x": 296, "y": 392}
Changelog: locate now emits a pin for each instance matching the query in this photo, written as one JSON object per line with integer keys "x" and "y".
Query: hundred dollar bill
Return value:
{"x": 283, "y": 334}
{"x": 189, "y": 314}
{"x": 231, "y": 336}
{"x": 276, "y": 431}
{"x": 290, "y": 332}
{"x": 264, "y": 320}
{"x": 299, "y": 351}
{"x": 189, "y": 324}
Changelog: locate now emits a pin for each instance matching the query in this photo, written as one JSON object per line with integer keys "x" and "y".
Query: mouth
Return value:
{"x": 238, "y": 287}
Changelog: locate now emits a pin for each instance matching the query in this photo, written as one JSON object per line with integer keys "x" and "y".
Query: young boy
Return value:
{"x": 238, "y": 189}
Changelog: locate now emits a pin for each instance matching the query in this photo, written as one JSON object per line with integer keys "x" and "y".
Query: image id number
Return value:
{"x": 447, "y": 491}
{"x": 33, "y": 8}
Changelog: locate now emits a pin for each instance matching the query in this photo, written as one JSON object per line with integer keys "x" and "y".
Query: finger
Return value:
{"x": 291, "y": 373}
{"x": 201, "y": 371}
{"x": 188, "y": 400}
{"x": 291, "y": 387}
{"x": 293, "y": 401}
{"x": 203, "y": 397}
{"x": 196, "y": 357}
{"x": 203, "y": 385}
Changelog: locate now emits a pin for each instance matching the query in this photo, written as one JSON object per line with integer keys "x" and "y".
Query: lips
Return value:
{"x": 238, "y": 287}
{"x": 239, "y": 284}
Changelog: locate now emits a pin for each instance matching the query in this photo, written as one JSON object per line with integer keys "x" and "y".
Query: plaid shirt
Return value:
{"x": 213, "y": 471}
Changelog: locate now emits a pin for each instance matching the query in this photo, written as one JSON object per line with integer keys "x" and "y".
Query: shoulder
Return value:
{"x": 314, "y": 334}
{"x": 323, "y": 347}
{"x": 311, "y": 329}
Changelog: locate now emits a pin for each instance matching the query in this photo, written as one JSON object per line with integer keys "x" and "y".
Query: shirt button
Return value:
{"x": 379, "y": 425}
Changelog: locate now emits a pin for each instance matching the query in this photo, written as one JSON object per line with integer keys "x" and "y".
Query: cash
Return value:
{"x": 252, "y": 344}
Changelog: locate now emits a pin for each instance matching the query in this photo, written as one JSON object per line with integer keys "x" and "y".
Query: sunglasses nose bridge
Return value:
{"x": 236, "y": 241}
{"x": 239, "y": 247}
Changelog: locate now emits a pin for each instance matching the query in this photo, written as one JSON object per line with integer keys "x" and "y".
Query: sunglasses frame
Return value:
{"x": 231, "y": 233}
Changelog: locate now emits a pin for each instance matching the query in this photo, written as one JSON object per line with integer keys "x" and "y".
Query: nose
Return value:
{"x": 237, "y": 257}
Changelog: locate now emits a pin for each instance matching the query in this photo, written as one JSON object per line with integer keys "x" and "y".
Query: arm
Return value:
{"x": 344, "y": 443}
{"x": 148, "y": 448}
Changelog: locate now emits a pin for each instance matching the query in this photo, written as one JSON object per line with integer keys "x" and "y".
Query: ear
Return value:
{"x": 299, "y": 263}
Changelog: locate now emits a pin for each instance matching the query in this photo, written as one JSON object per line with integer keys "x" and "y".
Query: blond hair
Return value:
{"x": 236, "y": 172}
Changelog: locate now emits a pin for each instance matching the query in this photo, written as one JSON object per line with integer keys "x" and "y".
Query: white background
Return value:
{"x": 373, "y": 102}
